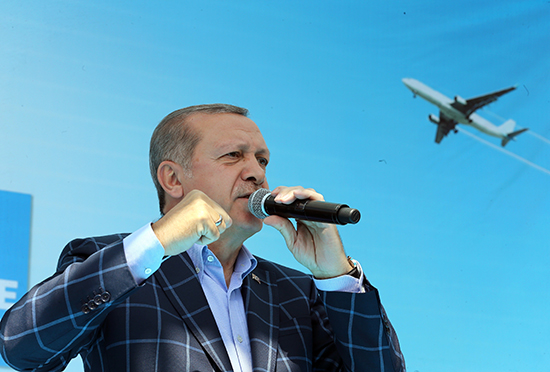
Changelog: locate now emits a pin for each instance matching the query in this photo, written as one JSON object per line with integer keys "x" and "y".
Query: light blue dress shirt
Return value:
{"x": 227, "y": 304}
{"x": 144, "y": 254}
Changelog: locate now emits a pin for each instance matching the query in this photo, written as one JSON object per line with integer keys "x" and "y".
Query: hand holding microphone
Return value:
{"x": 262, "y": 204}
{"x": 314, "y": 240}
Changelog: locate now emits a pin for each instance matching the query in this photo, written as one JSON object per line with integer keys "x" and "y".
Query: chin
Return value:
{"x": 255, "y": 224}
{"x": 250, "y": 224}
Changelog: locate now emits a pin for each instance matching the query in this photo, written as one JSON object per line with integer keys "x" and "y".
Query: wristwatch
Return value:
{"x": 355, "y": 271}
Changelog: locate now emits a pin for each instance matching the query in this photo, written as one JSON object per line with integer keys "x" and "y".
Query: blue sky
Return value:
{"x": 456, "y": 236}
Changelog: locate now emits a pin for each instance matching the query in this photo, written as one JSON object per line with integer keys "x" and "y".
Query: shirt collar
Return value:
{"x": 201, "y": 256}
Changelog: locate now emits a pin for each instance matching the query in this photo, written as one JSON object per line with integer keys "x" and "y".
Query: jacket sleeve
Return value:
{"x": 363, "y": 334}
{"x": 60, "y": 316}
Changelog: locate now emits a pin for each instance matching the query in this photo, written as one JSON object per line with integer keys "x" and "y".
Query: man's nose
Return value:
{"x": 253, "y": 171}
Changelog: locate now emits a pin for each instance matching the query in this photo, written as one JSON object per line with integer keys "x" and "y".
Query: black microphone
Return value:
{"x": 261, "y": 204}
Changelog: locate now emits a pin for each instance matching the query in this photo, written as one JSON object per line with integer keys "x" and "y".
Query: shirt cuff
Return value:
{"x": 343, "y": 283}
{"x": 143, "y": 253}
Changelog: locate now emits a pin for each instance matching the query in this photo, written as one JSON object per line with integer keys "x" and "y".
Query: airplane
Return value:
{"x": 462, "y": 111}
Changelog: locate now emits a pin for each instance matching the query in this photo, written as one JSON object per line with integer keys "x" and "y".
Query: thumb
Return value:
{"x": 284, "y": 226}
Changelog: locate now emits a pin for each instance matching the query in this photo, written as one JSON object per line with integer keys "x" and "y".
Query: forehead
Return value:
{"x": 226, "y": 129}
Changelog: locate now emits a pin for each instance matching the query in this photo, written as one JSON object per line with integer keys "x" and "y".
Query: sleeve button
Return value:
{"x": 105, "y": 296}
{"x": 97, "y": 300}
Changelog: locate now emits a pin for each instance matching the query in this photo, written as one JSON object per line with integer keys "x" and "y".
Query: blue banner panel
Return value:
{"x": 15, "y": 223}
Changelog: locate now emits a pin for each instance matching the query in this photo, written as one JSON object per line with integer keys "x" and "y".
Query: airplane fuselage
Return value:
{"x": 444, "y": 104}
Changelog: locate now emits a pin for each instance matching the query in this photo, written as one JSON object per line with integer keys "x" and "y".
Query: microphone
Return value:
{"x": 261, "y": 204}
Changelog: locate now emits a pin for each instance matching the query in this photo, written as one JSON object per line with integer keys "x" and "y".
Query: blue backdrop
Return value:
{"x": 15, "y": 222}
{"x": 454, "y": 235}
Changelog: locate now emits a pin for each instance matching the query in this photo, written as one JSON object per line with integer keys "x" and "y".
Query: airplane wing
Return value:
{"x": 468, "y": 106}
{"x": 444, "y": 126}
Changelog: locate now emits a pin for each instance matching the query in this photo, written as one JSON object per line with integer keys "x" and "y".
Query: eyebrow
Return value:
{"x": 241, "y": 146}
{"x": 263, "y": 152}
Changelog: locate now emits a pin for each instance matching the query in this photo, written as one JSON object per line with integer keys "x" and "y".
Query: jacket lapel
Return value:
{"x": 261, "y": 301}
{"x": 182, "y": 287}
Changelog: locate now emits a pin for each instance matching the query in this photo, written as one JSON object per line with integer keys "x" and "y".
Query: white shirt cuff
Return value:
{"x": 342, "y": 283}
{"x": 143, "y": 253}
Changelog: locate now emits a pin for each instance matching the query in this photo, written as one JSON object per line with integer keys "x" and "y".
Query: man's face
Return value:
{"x": 229, "y": 163}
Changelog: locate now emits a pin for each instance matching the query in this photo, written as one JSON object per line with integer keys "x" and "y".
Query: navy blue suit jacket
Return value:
{"x": 93, "y": 307}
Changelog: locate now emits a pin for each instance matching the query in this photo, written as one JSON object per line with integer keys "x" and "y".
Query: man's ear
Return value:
{"x": 169, "y": 175}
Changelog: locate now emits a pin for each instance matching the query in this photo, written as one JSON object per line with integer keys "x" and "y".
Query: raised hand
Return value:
{"x": 315, "y": 245}
{"x": 195, "y": 219}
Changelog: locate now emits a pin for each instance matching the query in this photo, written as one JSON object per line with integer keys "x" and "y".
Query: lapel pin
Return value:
{"x": 255, "y": 277}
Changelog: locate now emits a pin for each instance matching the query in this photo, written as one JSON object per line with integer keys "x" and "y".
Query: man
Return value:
{"x": 183, "y": 293}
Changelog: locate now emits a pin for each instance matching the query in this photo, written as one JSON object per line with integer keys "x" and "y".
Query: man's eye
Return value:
{"x": 263, "y": 161}
{"x": 234, "y": 154}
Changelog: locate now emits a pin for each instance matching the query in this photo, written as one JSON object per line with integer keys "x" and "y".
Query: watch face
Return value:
{"x": 355, "y": 273}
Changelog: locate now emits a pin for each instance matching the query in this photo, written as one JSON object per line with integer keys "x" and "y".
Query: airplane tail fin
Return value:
{"x": 508, "y": 126}
{"x": 507, "y": 130}
{"x": 510, "y": 136}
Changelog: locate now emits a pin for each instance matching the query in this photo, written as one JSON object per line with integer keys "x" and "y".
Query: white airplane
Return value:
{"x": 461, "y": 111}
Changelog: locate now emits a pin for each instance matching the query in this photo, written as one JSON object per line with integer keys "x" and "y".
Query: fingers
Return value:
{"x": 315, "y": 245}
{"x": 210, "y": 219}
{"x": 195, "y": 219}
{"x": 287, "y": 195}
{"x": 284, "y": 226}
{"x": 212, "y": 227}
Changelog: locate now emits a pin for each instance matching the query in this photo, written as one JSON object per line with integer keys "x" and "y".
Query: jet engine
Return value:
{"x": 434, "y": 119}
{"x": 460, "y": 100}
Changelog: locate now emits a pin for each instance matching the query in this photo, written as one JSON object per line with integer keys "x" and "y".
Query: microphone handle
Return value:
{"x": 313, "y": 210}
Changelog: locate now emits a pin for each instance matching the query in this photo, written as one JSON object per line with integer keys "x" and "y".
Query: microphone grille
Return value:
{"x": 256, "y": 203}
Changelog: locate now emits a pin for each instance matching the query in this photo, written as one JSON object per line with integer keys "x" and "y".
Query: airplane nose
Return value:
{"x": 412, "y": 84}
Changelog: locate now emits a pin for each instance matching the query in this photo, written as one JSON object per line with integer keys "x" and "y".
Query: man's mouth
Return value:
{"x": 246, "y": 195}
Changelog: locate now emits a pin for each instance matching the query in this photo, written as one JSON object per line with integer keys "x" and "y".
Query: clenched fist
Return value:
{"x": 193, "y": 220}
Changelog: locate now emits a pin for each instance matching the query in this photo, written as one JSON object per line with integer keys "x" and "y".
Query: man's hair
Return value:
{"x": 174, "y": 140}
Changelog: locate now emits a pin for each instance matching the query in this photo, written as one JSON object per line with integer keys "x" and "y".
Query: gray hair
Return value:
{"x": 175, "y": 141}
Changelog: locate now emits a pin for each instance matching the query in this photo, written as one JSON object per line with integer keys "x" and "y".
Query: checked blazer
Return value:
{"x": 92, "y": 306}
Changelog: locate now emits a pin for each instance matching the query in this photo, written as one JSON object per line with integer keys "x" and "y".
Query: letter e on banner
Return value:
{"x": 6, "y": 294}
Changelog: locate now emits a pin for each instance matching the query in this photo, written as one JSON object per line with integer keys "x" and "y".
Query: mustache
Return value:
{"x": 246, "y": 190}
